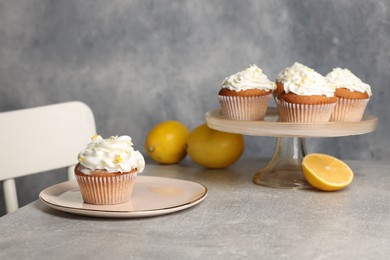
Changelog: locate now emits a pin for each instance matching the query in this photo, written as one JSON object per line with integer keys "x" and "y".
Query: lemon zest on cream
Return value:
{"x": 118, "y": 159}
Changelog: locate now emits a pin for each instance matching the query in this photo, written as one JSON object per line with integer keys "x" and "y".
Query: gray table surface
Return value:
{"x": 238, "y": 220}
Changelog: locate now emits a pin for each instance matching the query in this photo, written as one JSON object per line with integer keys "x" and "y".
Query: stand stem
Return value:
{"x": 285, "y": 168}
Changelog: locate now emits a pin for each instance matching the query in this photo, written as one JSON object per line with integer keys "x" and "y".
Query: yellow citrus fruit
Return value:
{"x": 326, "y": 172}
{"x": 166, "y": 142}
{"x": 214, "y": 149}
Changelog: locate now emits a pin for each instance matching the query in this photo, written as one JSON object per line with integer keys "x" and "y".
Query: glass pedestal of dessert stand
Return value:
{"x": 285, "y": 168}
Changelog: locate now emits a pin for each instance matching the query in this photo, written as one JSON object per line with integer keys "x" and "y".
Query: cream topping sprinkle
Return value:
{"x": 250, "y": 78}
{"x": 304, "y": 81}
{"x": 114, "y": 154}
{"x": 344, "y": 78}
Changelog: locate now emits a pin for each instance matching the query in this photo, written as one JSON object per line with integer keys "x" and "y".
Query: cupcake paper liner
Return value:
{"x": 244, "y": 108}
{"x": 349, "y": 110}
{"x": 302, "y": 113}
{"x": 106, "y": 190}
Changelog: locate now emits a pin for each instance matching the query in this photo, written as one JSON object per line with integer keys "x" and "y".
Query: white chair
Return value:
{"x": 41, "y": 139}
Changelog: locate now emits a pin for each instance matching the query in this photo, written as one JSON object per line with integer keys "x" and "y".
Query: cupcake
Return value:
{"x": 245, "y": 95}
{"x": 107, "y": 170}
{"x": 352, "y": 95}
{"x": 304, "y": 95}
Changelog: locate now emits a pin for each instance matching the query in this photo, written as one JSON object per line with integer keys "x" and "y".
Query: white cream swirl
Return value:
{"x": 304, "y": 81}
{"x": 344, "y": 78}
{"x": 250, "y": 78}
{"x": 114, "y": 154}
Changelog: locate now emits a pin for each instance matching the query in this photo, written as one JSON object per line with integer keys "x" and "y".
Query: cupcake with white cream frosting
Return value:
{"x": 352, "y": 95}
{"x": 304, "y": 95}
{"x": 245, "y": 94}
{"x": 107, "y": 170}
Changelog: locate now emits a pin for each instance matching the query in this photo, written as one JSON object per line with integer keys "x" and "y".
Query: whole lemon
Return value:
{"x": 214, "y": 149}
{"x": 166, "y": 142}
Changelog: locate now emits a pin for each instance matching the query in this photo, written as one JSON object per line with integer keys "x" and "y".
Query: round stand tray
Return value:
{"x": 285, "y": 168}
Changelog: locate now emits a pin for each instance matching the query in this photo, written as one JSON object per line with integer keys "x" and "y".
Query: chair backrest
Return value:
{"x": 41, "y": 139}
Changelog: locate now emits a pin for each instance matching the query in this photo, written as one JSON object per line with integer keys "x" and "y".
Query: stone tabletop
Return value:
{"x": 238, "y": 220}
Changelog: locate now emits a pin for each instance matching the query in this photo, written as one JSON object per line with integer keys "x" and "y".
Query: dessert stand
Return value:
{"x": 285, "y": 168}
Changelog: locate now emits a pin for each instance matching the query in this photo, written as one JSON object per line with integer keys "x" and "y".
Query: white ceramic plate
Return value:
{"x": 152, "y": 196}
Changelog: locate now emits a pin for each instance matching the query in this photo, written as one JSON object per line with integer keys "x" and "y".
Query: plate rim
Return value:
{"x": 124, "y": 214}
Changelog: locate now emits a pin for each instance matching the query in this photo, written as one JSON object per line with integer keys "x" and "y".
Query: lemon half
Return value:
{"x": 325, "y": 172}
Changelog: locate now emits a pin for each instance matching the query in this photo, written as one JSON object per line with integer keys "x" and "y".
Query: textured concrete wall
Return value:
{"x": 136, "y": 63}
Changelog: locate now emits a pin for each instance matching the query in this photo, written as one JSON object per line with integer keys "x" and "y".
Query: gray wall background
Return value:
{"x": 136, "y": 63}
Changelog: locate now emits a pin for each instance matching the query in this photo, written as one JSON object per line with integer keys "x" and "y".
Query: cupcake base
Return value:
{"x": 107, "y": 189}
{"x": 303, "y": 113}
{"x": 349, "y": 110}
{"x": 244, "y": 107}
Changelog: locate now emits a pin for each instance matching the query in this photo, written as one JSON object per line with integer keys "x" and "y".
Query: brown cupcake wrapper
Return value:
{"x": 302, "y": 113}
{"x": 244, "y": 108}
{"x": 349, "y": 110}
{"x": 106, "y": 190}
